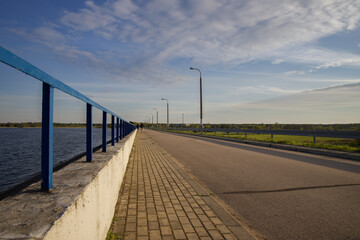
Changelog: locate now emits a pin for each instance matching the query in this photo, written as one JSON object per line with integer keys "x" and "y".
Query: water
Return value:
{"x": 20, "y": 151}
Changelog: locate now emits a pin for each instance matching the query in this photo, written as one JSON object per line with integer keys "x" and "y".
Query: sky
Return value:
{"x": 262, "y": 61}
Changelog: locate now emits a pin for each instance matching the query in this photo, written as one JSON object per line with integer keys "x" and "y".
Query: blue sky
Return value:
{"x": 262, "y": 61}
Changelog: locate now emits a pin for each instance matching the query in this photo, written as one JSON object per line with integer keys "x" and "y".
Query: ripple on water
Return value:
{"x": 20, "y": 151}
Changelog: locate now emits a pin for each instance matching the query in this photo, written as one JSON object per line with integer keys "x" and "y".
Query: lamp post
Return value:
{"x": 167, "y": 101}
{"x": 201, "y": 111}
{"x": 157, "y": 116}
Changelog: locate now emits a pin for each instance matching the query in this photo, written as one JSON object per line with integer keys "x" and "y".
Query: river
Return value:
{"x": 20, "y": 151}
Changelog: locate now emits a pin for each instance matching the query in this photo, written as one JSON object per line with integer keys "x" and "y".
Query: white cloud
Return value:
{"x": 207, "y": 32}
{"x": 277, "y": 61}
{"x": 337, "y": 104}
{"x": 339, "y": 62}
{"x": 74, "y": 53}
{"x": 317, "y": 99}
{"x": 214, "y": 31}
{"x": 319, "y": 58}
{"x": 328, "y": 80}
{"x": 89, "y": 19}
{"x": 294, "y": 72}
{"x": 268, "y": 90}
{"x": 47, "y": 34}
{"x": 56, "y": 42}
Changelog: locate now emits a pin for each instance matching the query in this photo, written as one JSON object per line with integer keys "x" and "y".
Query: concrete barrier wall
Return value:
{"x": 90, "y": 216}
{"x": 81, "y": 207}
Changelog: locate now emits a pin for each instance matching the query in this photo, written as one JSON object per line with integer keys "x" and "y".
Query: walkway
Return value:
{"x": 159, "y": 200}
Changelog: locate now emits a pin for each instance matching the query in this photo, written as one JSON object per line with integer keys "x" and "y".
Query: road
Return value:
{"x": 281, "y": 194}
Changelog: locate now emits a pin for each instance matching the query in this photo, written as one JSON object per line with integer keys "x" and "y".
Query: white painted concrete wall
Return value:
{"x": 91, "y": 214}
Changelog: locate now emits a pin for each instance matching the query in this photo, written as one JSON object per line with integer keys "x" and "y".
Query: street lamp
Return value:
{"x": 201, "y": 111}
{"x": 157, "y": 116}
{"x": 167, "y": 110}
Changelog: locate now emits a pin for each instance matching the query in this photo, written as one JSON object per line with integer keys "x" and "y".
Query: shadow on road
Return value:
{"x": 291, "y": 189}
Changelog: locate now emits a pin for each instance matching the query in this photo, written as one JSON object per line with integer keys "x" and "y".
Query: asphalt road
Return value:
{"x": 281, "y": 194}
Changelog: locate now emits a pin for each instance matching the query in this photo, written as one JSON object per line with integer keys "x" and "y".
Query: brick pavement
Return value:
{"x": 158, "y": 200}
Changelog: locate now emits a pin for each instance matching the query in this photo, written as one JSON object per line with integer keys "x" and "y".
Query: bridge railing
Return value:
{"x": 314, "y": 134}
{"x": 123, "y": 127}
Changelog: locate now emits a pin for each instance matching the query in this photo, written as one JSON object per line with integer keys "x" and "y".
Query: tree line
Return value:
{"x": 262, "y": 126}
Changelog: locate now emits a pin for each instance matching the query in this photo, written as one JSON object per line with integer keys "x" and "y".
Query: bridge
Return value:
{"x": 150, "y": 184}
{"x": 278, "y": 194}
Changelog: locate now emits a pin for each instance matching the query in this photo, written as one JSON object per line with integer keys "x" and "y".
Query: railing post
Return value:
{"x": 117, "y": 129}
{"x": 124, "y": 132}
{"x": 121, "y": 129}
{"x": 104, "y": 132}
{"x": 112, "y": 130}
{"x": 89, "y": 133}
{"x": 47, "y": 137}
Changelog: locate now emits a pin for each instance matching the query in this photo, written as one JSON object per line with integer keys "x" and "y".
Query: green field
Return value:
{"x": 340, "y": 144}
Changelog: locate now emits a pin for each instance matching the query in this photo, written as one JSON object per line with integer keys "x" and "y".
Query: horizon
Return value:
{"x": 176, "y": 123}
{"x": 261, "y": 61}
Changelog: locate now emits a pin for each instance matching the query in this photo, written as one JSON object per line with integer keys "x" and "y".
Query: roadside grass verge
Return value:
{"x": 340, "y": 144}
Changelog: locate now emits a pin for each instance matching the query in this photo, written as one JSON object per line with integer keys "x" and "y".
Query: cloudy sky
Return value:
{"x": 262, "y": 61}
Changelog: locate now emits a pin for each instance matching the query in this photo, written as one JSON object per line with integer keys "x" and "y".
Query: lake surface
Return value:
{"x": 20, "y": 151}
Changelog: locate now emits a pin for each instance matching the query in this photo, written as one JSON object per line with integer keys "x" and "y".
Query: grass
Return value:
{"x": 340, "y": 144}
{"x": 113, "y": 236}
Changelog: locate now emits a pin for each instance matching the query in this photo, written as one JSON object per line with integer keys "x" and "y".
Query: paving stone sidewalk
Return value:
{"x": 159, "y": 200}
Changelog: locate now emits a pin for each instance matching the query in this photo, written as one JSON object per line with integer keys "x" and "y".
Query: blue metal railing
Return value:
{"x": 123, "y": 127}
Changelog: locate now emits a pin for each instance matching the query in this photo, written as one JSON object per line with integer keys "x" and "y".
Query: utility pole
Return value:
{"x": 167, "y": 105}
{"x": 201, "y": 111}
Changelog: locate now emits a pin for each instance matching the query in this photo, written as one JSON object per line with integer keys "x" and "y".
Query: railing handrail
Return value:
{"x": 20, "y": 64}
{"x": 123, "y": 127}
